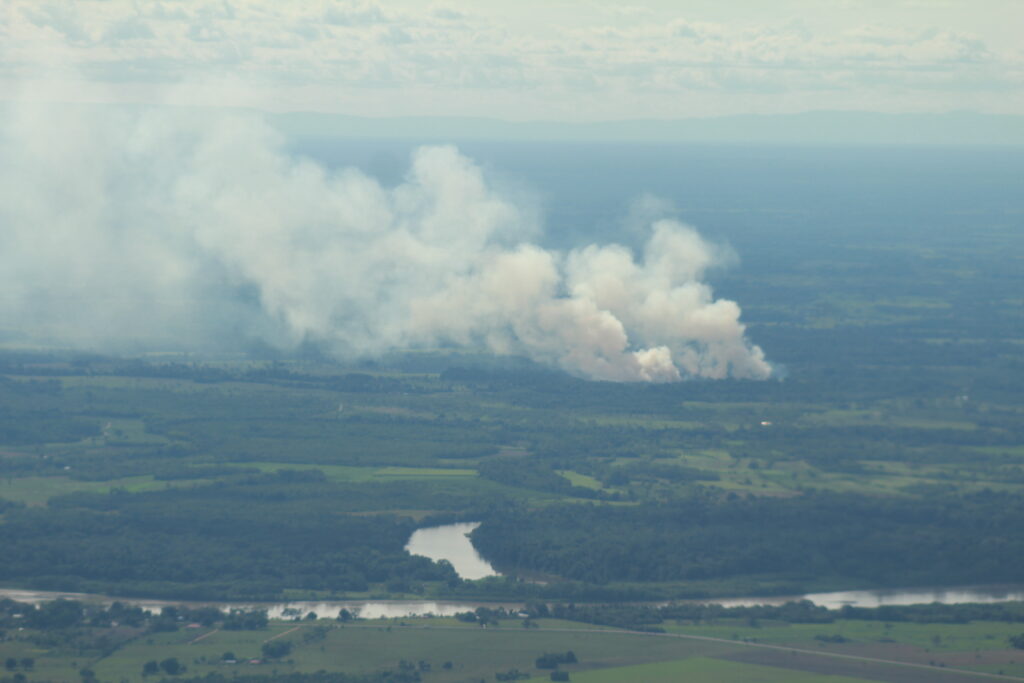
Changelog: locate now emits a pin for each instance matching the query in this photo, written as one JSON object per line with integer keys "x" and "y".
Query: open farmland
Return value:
{"x": 449, "y": 650}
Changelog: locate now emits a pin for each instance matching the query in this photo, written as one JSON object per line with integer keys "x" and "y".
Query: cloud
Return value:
{"x": 645, "y": 57}
{"x": 351, "y": 14}
{"x": 62, "y": 18}
{"x": 448, "y": 13}
{"x": 131, "y": 28}
{"x": 142, "y": 229}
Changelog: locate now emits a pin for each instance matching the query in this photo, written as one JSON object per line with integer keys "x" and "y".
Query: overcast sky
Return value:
{"x": 568, "y": 60}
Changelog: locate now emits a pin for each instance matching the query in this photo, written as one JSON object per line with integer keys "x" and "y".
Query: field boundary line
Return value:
{"x": 726, "y": 641}
{"x": 205, "y": 635}
{"x": 839, "y": 655}
{"x": 282, "y": 633}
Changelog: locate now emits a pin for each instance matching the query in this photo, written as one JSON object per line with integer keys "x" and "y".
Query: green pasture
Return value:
{"x": 1010, "y": 451}
{"x": 355, "y": 474}
{"x": 646, "y": 422}
{"x": 979, "y": 635}
{"x": 123, "y": 382}
{"x": 472, "y": 653}
{"x": 38, "y": 490}
{"x": 584, "y": 480}
{"x": 51, "y": 664}
{"x": 888, "y": 477}
{"x": 702, "y": 670}
{"x": 130, "y": 431}
{"x": 889, "y": 414}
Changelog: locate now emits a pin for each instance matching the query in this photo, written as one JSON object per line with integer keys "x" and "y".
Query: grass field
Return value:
{"x": 474, "y": 652}
{"x": 38, "y": 490}
{"x": 345, "y": 473}
{"x": 982, "y": 635}
{"x": 577, "y": 479}
{"x": 703, "y": 670}
{"x": 449, "y": 651}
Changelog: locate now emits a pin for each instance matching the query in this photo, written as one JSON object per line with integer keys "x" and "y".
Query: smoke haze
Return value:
{"x": 139, "y": 229}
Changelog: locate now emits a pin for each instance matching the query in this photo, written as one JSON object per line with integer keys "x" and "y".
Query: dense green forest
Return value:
{"x": 861, "y": 539}
{"x": 245, "y": 479}
{"x": 249, "y": 538}
{"x": 888, "y": 451}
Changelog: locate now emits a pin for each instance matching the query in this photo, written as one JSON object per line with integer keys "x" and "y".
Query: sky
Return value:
{"x": 195, "y": 227}
{"x": 556, "y": 60}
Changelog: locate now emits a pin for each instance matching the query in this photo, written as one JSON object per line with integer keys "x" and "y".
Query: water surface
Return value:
{"x": 363, "y": 609}
{"x": 390, "y": 609}
{"x": 451, "y": 542}
{"x": 891, "y": 596}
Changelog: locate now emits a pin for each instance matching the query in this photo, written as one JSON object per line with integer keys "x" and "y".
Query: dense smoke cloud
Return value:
{"x": 168, "y": 226}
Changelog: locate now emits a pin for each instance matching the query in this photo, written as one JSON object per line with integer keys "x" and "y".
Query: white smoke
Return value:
{"x": 138, "y": 228}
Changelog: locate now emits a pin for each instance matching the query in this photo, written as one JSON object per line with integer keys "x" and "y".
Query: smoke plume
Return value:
{"x": 141, "y": 228}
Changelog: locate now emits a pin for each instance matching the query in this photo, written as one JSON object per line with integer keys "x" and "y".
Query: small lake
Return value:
{"x": 451, "y": 542}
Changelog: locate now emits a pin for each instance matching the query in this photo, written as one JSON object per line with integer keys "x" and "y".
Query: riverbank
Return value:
{"x": 392, "y": 609}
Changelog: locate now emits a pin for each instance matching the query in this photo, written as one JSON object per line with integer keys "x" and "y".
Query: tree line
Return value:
{"x": 881, "y": 541}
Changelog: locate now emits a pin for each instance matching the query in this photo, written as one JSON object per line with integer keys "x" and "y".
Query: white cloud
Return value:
{"x": 130, "y": 28}
{"x": 62, "y": 18}
{"x": 340, "y": 13}
{"x": 643, "y": 59}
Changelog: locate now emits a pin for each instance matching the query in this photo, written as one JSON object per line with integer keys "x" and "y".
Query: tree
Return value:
{"x": 242, "y": 620}
{"x": 276, "y": 649}
{"x": 150, "y": 668}
{"x": 1017, "y": 641}
{"x": 11, "y": 664}
{"x": 171, "y": 666}
{"x": 28, "y": 663}
{"x": 546, "y": 661}
{"x": 58, "y": 613}
{"x": 551, "y": 660}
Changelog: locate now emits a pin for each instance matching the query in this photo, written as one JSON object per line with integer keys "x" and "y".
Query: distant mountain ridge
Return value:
{"x": 808, "y": 128}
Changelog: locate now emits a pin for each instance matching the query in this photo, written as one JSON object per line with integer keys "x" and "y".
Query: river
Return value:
{"x": 393, "y": 609}
{"x": 402, "y": 608}
{"x": 449, "y": 542}
{"x": 890, "y": 596}
{"x": 364, "y": 609}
